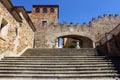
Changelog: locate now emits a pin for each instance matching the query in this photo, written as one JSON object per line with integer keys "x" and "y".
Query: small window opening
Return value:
{"x": 16, "y": 31}
{"x": 44, "y": 23}
{"x": 44, "y": 10}
{"x": 37, "y": 10}
{"x": 3, "y": 28}
{"x": 52, "y": 10}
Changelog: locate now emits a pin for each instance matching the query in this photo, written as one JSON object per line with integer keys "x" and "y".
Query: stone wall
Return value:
{"x": 103, "y": 24}
{"x": 26, "y": 35}
{"x": 110, "y": 44}
{"x": 38, "y": 17}
{"x": 7, "y": 41}
{"x": 110, "y": 48}
{"x": 95, "y": 30}
{"x": 14, "y": 36}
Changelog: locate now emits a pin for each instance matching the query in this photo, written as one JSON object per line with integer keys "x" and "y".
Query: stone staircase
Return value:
{"x": 59, "y": 64}
{"x": 60, "y": 52}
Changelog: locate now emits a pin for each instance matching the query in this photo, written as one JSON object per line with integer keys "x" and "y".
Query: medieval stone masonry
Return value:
{"x": 47, "y": 34}
{"x": 39, "y": 28}
{"x": 16, "y": 31}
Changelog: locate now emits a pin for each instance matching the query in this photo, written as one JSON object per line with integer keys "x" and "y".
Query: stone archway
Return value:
{"x": 48, "y": 36}
{"x": 74, "y": 41}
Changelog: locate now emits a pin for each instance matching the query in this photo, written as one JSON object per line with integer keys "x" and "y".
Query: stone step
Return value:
{"x": 58, "y": 56}
{"x": 24, "y": 63}
{"x": 30, "y": 52}
{"x": 59, "y": 65}
{"x": 67, "y": 59}
{"x": 83, "y": 78}
{"x": 62, "y": 54}
{"x": 57, "y": 68}
{"x": 58, "y": 75}
{"x": 92, "y": 60}
{"x": 87, "y": 73}
{"x": 82, "y": 59}
{"x": 55, "y": 60}
{"x": 55, "y": 72}
{"x": 62, "y": 59}
{"x": 52, "y": 58}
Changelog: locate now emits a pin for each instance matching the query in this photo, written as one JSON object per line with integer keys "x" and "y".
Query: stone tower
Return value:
{"x": 43, "y": 15}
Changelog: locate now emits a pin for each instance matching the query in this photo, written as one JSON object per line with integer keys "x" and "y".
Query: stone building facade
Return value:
{"x": 39, "y": 28}
{"x": 16, "y": 30}
{"x": 43, "y": 15}
{"x": 47, "y": 36}
{"x": 49, "y": 30}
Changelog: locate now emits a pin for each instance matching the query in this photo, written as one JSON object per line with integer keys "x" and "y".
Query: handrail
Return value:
{"x": 110, "y": 34}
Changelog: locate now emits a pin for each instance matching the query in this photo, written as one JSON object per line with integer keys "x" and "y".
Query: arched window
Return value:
{"x": 52, "y": 10}
{"x": 37, "y": 10}
{"x": 44, "y": 10}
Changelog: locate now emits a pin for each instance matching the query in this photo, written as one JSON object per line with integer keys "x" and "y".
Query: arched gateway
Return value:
{"x": 74, "y": 41}
{"x": 48, "y": 30}
{"x": 49, "y": 36}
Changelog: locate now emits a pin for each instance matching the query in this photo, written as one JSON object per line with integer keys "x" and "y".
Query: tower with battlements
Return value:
{"x": 48, "y": 30}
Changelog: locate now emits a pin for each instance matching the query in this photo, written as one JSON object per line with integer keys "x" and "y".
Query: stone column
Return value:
{"x": 94, "y": 46}
{"x": 50, "y": 45}
{"x": 63, "y": 42}
{"x": 77, "y": 46}
{"x": 56, "y": 44}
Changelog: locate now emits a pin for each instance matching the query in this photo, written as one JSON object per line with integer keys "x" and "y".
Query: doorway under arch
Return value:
{"x": 74, "y": 41}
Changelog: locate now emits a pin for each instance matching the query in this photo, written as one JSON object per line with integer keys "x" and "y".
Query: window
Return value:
{"x": 44, "y": 23}
{"x": 3, "y": 28}
{"x": 16, "y": 31}
{"x": 37, "y": 10}
{"x": 44, "y": 10}
{"x": 4, "y": 23}
{"x": 51, "y": 10}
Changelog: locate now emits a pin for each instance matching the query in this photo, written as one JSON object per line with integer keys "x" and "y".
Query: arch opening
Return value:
{"x": 74, "y": 41}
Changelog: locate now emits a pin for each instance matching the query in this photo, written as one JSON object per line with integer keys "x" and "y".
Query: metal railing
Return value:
{"x": 110, "y": 35}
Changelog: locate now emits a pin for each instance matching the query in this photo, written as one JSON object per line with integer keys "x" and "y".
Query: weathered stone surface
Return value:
{"x": 38, "y": 17}
{"x": 14, "y": 37}
{"x": 8, "y": 43}
{"x": 110, "y": 44}
{"x": 94, "y": 31}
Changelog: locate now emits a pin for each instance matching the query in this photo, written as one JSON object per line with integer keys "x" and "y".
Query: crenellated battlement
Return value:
{"x": 95, "y": 30}
{"x": 97, "y": 26}
{"x": 64, "y": 24}
{"x": 101, "y": 19}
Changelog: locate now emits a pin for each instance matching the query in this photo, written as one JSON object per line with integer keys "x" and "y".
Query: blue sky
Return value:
{"x": 77, "y": 11}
